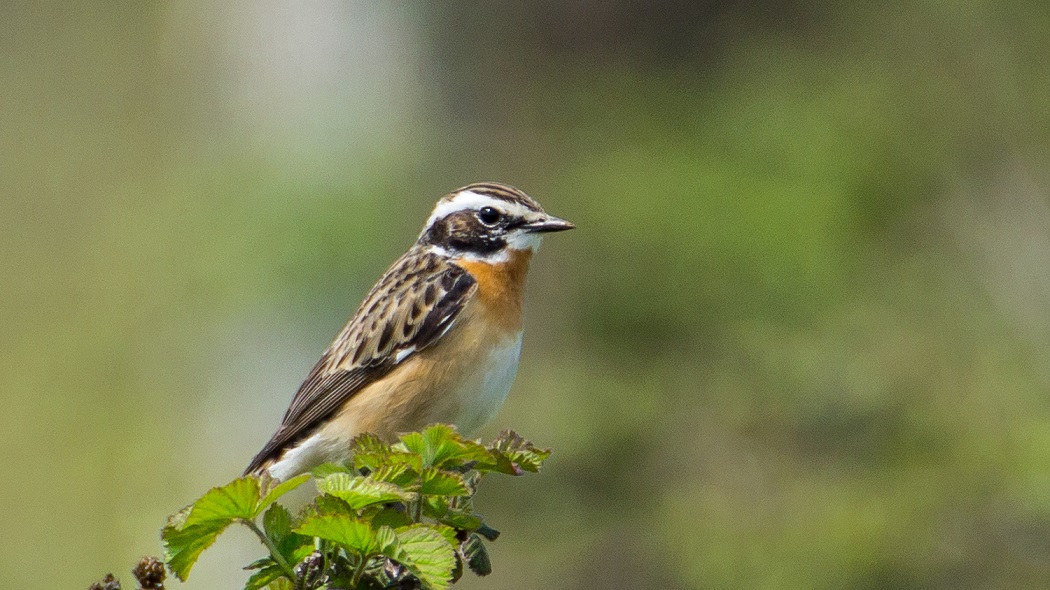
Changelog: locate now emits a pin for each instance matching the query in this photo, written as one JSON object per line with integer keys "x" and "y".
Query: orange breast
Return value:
{"x": 501, "y": 287}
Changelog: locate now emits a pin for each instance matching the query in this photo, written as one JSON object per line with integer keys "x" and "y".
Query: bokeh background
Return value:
{"x": 801, "y": 338}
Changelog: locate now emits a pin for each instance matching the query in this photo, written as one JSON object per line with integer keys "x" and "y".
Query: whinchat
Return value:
{"x": 437, "y": 339}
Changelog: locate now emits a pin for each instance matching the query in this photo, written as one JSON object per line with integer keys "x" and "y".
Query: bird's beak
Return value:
{"x": 548, "y": 224}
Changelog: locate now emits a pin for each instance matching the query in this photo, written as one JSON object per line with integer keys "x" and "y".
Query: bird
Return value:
{"x": 436, "y": 340}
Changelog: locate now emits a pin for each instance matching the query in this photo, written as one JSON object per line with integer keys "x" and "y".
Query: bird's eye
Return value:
{"x": 488, "y": 216}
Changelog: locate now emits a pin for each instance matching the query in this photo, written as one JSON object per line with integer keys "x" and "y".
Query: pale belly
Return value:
{"x": 463, "y": 382}
{"x": 482, "y": 394}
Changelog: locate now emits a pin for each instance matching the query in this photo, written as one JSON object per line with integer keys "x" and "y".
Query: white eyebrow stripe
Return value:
{"x": 470, "y": 200}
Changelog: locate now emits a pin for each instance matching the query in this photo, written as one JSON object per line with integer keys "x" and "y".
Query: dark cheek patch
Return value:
{"x": 438, "y": 232}
{"x": 463, "y": 233}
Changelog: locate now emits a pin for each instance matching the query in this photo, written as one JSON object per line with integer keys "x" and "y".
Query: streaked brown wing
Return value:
{"x": 410, "y": 308}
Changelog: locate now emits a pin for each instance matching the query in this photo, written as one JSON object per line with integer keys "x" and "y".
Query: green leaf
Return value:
{"x": 272, "y": 492}
{"x": 392, "y": 518}
{"x": 371, "y": 453}
{"x": 237, "y": 499}
{"x": 277, "y": 522}
{"x": 427, "y": 554}
{"x": 195, "y": 528}
{"x": 440, "y": 446}
{"x": 400, "y": 475}
{"x": 178, "y": 520}
{"x": 512, "y": 454}
{"x": 325, "y": 469}
{"x": 359, "y": 491}
{"x": 448, "y": 532}
{"x": 303, "y": 550}
{"x": 437, "y": 465}
{"x": 325, "y": 504}
{"x": 499, "y": 463}
{"x": 278, "y": 525}
{"x": 369, "y": 443}
{"x": 460, "y": 520}
{"x": 377, "y": 461}
{"x": 281, "y": 584}
{"x": 386, "y": 537}
{"x": 475, "y": 555}
{"x": 435, "y": 482}
{"x": 263, "y": 577}
{"x": 488, "y": 532}
{"x": 353, "y": 534}
{"x": 438, "y": 508}
{"x": 259, "y": 563}
{"x": 182, "y": 546}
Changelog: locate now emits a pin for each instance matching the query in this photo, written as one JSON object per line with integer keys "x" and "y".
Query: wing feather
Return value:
{"x": 415, "y": 302}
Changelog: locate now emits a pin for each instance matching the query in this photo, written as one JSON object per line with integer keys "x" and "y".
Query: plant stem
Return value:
{"x": 360, "y": 571}
{"x": 274, "y": 553}
{"x": 419, "y": 509}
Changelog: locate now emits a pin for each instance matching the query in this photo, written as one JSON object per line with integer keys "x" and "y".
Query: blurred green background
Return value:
{"x": 799, "y": 340}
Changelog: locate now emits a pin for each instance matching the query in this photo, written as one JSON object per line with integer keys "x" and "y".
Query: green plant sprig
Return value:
{"x": 397, "y": 514}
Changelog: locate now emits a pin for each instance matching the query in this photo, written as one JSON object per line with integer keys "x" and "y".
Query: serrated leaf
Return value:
{"x": 392, "y": 518}
{"x": 274, "y": 491}
{"x": 353, "y": 534}
{"x": 237, "y": 499}
{"x": 386, "y": 537}
{"x": 446, "y": 531}
{"x": 325, "y": 504}
{"x": 281, "y": 584}
{"x": 499, "y": 463}
{"x": 182, "y": 546}
{"x": 460, "y": 520}
{"x": 435, "y": 482}
{"x": 325, "y": 469}
{"x": 472, "y": 452}
{"x": 263, "y": 577}
{"x": 438, "y": 508}
{"x": 371, "y": 453}
{"x": 476, "y": 555}
{"x": 278, "y": 524}
{"x": 195, "y": 528}
{"x": 178, "y": 520}
{"x": 377, "y": 461}
{"x": 359, "y": 491}
{"x": 488, "y": 532}
{"x": 427, "y": 554}
{"x": 259, "y": 563}
{"x": 513, "y": 454}
{"x": 399, "y": 475}
{"x": 303, "y": 550}
{"x": 368, "y": 443}
{"x": 441, "y": 446}
{"x": 431, "y": 439}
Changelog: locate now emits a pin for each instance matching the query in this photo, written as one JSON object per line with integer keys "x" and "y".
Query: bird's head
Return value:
{"x": 487, "y": 221}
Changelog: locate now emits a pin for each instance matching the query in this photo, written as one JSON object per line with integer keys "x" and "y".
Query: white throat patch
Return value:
{"x": 521, "y": 240}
